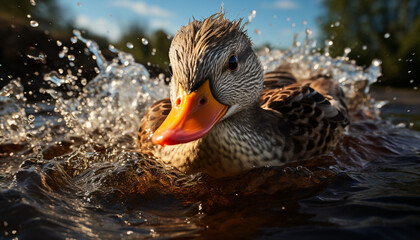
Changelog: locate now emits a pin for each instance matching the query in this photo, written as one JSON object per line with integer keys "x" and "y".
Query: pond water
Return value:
{"x": 69, "y": 169}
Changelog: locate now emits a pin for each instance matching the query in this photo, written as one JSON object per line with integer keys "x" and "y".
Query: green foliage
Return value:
{"x": 388, "y": 30}
{"x": 52, "y": 17}
{"x": 48, "y": 13}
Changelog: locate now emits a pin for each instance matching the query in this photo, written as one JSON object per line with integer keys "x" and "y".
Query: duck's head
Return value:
{"x": 216, "y": 74}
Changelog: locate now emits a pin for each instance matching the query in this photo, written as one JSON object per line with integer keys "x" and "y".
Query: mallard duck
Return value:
{"x": 225, "y": 116}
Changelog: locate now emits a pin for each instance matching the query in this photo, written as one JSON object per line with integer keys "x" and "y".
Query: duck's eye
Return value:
{"x": 233, "y": 63}
{"x": 170, "y": 69}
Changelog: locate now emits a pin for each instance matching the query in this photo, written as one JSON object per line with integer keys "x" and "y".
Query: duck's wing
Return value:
{"x": 281, "y": 86}
{"x": 151, "y": 121}
{"x": 279, "y": 77}
{"x": 302, "y": 101}
{"x": 313, "y": 125}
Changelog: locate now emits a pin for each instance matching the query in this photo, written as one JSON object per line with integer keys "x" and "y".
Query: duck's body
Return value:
{"x": 257, "y": 122}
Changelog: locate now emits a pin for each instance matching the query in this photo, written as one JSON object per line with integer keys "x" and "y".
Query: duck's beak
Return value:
{"x": 191, "y": 117}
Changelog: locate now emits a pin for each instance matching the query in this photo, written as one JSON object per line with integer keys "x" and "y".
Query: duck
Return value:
{"x": 225, "y": 116}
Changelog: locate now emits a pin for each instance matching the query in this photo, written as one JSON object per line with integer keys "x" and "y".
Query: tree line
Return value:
{"x": 385, "y": 29}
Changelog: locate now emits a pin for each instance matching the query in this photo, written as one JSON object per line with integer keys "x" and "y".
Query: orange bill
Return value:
{"x": 191, "y": 117}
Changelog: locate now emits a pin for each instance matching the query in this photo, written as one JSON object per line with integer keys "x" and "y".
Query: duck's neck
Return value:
{"x": 242, "y": 141}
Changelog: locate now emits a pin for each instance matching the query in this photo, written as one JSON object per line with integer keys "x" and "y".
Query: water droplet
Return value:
{"x": 130, "y": 45}
{"x": 33, "y": 3}
{"x": 337, "y": 24}
{"x": 347, "y": 50}
{"x": 73, "y": 39}
{"x": 31, "y": 118}
{"x": 34, "y": 23}
{"x": 257, "y": 31}
{"x": 28, "y": 16}
{"x": 59, "y": 43}
{"x": 37, "y": 56}
{"x": 129, "y": 232}
{"x": 412, "y": 80}
{"x": 111, "y": 48}
{"x": 275, "y": 16}
{"x": 252, "y": 15}
{"x": 161, "y": 76}
{"x": 169, "y": 36}
{"x": 376, "y": 62}
{"x": 304, "y": 22}
{"x": 63, "y": 52}
{"x": 71, "y": 58}
{"x": 288, "y": 19}
{"x": 329, "y": 42}
{"x": 387, "y": 35}
{"x": 364, "y": 47}
{"x": 144, "y": 41}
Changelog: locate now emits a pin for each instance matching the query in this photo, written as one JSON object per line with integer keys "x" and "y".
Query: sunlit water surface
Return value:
{"x": 68, "y": 168}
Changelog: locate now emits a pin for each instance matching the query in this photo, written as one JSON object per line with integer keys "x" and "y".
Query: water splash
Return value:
{"x": 13, "y": 122}
{"x": 113, "y": 102}
{"x": 110, "y": 106}
{"x": 306, "y": 62}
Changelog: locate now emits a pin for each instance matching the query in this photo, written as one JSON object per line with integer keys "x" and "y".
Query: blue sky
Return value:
{"x": 275, "y": 21}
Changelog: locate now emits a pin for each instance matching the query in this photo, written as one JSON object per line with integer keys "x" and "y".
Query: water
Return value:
{"x": 69, "y": 169}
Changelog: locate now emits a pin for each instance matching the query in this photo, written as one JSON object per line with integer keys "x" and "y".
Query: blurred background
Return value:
{"x": 33, "y": 32}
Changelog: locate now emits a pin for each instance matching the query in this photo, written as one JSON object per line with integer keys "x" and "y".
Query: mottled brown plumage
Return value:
{"x": 272, "y": 119}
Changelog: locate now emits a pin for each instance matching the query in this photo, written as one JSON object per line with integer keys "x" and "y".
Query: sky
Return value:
{"x": 275, "y": 21}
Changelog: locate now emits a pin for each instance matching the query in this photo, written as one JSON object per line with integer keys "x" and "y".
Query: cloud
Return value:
{"x": 143, "y": 9}
{"x": 285, "y": 4}
{"x": 162, "y": 24}
{"x": 100, "y": 26}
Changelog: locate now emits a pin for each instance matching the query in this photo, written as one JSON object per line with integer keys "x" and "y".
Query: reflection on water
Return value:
{"x": 68, "y": 168}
